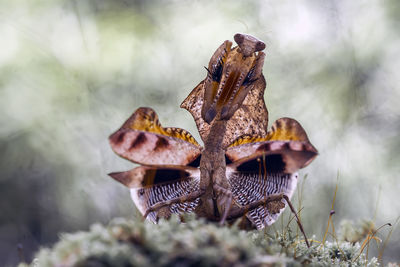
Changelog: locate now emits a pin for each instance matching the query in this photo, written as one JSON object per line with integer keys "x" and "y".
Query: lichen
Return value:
{"x": 193, "y": 243}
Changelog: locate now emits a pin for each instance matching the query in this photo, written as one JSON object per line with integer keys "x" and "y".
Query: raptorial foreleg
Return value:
{"x": 241, "y": 211}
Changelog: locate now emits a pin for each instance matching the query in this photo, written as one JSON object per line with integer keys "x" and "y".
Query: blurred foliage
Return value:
{"x": 193, "y": 243}
{"x": 72, "y": 71}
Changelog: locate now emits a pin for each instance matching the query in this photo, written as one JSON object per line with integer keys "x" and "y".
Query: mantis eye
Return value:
{"x": 216, "y": 72}
{"x": 249, "y": 77}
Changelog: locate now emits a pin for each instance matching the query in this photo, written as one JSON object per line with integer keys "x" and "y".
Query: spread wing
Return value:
{"x": 250, "y": 119}
{"x": 143, "y": 140}
{"x": 262, "y": 166}
{"x": 151, "y": 185}
{"x": 255, "y": 184}
{"x": 287, "y": 146}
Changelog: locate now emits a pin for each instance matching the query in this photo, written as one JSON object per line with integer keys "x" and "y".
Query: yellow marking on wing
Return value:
{"x": 179, "y": 133}
{"x": 146, "y": 119}
{"x": 283, "y": 129}
{"x": 287, "y": 129}
{"x": 246, "y": 139}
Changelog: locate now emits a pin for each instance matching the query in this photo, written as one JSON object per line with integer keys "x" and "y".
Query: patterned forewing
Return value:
{"x": 143, "y": 140}
{"x": 286, "y": 138}
{"x": 252, "y": 186}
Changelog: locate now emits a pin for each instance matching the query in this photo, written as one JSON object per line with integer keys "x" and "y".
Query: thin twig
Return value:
{"x": 297, "y": 219}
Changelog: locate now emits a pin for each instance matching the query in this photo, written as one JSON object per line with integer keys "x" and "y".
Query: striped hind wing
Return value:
{"x": 250, "y": 187}
{"x": 151, "y": 185}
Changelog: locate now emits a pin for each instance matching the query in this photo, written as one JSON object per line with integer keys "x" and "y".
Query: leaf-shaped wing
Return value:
{"x": 153, "y": 184}
{"x": 249, "y": 185}
{"x": 286, "y": 146}
{"x": 250, "y": 119}
{"x": 143, "y": 140}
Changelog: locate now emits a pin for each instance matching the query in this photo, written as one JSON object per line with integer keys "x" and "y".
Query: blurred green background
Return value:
{"x": 71, "y": 72}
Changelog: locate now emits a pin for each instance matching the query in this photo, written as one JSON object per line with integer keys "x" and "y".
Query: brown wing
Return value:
{"x": 250, "y": 119}
{"x": 287, "y": 146}
{"x": 263, "y": 166}
{"x": 151, "y": 185}
{"x": 142, "y": 140}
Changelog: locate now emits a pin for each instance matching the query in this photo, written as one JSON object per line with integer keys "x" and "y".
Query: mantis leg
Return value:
{"x": 227, "y": 201}
{"x": 186, "y": 198}
{"x": 272, "y": 198}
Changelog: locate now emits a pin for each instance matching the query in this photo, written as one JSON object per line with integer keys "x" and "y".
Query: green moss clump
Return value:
{"x": 193, "y": 243}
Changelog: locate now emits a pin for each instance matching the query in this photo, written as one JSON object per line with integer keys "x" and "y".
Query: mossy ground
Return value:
{"x": 193, "y": 243}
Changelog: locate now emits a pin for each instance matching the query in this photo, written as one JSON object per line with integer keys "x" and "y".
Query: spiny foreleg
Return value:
{"x": 241, "y": 211}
